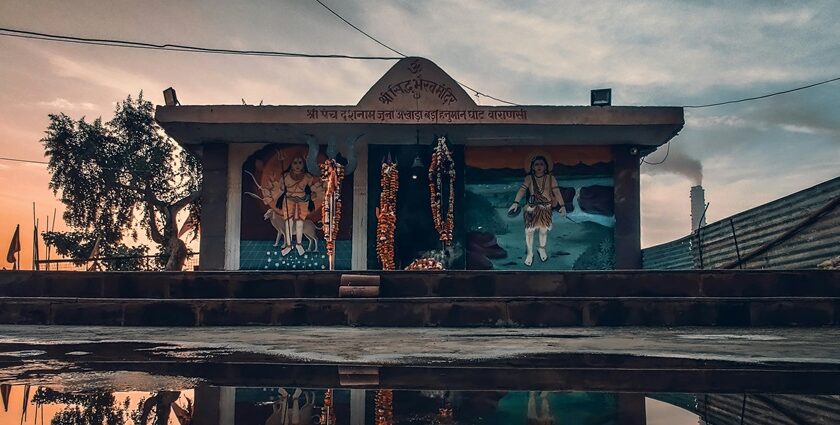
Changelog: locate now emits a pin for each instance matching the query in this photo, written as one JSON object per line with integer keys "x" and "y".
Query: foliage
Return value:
{"x": 79, "y": 245}
{"x": 113, "y": 176}
{"x": 96, "y": 407}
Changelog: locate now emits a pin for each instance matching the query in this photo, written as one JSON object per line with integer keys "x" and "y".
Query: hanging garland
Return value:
{"x": 327, "y": 412}
{"x": 442, "y": 166}
{"x": 384, "y": 405}
{"x": 332, "y": 174}
{"x": 386, "y": 214}
{"x": 423, "y": 264}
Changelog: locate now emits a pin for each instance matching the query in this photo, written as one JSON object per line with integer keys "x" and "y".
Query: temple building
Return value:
{"x": 425, "y": 176}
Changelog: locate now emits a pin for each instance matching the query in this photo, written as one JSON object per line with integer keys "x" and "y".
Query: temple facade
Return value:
{"x": 426, "y": 179}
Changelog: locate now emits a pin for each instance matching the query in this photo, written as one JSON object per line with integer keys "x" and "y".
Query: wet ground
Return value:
{"x": 426, "y": 346}
{"x": 248, "y": 375}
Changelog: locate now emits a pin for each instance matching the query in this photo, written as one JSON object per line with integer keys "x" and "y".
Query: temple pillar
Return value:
{"x": 214, "y": 163}
{"x": 627, "y": 204}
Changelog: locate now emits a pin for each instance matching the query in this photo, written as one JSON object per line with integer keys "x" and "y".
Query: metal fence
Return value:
{"x": 798, "y": 231}
{"x": 671, "y": 255}
{"x": 102, "y": 263}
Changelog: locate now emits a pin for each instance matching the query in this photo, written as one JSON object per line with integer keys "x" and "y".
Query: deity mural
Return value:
{"x": 542, "y": 197}
{"x": 564, "y": 195}
{"x": 282, "y": 226}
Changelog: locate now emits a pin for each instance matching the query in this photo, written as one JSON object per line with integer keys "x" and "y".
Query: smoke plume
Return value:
{"x": 677, "y": 162}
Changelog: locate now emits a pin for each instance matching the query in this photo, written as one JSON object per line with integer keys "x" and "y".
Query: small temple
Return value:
{"x": 422, "y": 178}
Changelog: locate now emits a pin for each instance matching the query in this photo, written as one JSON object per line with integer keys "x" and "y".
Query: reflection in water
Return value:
{"x": 22, "y": 404}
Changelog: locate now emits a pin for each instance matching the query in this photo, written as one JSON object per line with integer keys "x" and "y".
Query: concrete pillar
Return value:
{"x": 628, "y": 223}
{"x": 214, "y": 405}
{"x": 360, "y": 205}
{"x": 357, "y": 407}
{"x": 214, "y": 162}
{"x": 630, "y": 409}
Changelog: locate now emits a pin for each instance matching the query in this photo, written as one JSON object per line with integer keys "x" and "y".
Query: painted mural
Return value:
{"x": 282, "y": 199}
{"x": 539, "y": 208}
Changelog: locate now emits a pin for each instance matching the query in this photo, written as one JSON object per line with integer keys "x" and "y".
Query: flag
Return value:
{"x": 36, "y": 256}
{"x": 14, "y": 247}
{"x": 5, "y": 392}
{"x": 190, "y": 224}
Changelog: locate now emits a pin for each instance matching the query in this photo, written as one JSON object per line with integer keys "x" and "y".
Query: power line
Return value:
{"x": 29, "y": 161}
{"x": 667, "y": 151}
{"x": 32, "y": 161}
{"x": 763, "y": 96}
{"x": 359, "y": 29}
{"x": 478, "y": 93}
{"x": 9, "y": 32}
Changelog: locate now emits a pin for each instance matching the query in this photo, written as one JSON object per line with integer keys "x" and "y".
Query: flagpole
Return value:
{"x": 34, "y": 239}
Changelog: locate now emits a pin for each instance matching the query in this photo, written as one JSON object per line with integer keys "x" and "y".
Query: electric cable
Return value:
{"x": 764, "y": 96}
{"x": 360, "y": 30}
{"x": 29, "y": 161}
{"x": 667, "y": 151}
{"x": 477, "y": 93}
{"x": 9, "y": 32}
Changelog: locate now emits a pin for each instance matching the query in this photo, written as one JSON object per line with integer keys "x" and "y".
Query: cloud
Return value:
{"x": 102, "y": 74}
{"x": 64, "y": 104}
{"x": 700, "y": 121}
{"x": 678, "y": 161}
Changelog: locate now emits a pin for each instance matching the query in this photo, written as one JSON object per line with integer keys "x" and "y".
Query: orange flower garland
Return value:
{"x": 386, "y": 215}
{"x": 442, "y": 165}
{"x": 384, "y": 407}
{"x": 327, "y": 412}
{"x": 422, "y": 264}
{"x": 332, "y": 174}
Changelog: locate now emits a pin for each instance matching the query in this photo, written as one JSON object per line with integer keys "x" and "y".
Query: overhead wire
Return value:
{"x": 667, "y": 152}
{"x": 29, "y": 161}
{"x": 10, "y": 32}
{"x": 359, "y": 29}
{"x": 764, "y": 96}
{"x": 746, "y": 99}
{"x": 477, "y": 93}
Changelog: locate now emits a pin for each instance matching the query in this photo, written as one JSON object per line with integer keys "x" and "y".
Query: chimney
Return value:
{"x": 698, "y": 207}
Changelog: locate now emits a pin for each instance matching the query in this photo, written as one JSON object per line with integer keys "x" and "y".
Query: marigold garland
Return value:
{"x": 332, "y": 174}
{"x": 327, "y": 412}
{"x": 442, "y": 165}
{"x": 384, "y": 407}
{"x": 422, "y": 264}
{"x": 386, "y": 215}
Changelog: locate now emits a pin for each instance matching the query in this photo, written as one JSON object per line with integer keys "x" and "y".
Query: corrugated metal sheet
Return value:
{"x": 797, "y": 238}
{"x": 669, "y": 256}
{"x": 766, "y": 409}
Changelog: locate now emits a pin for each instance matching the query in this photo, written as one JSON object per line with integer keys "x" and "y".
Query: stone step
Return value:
{"x": 426, "y": 311}
{"x": 257, "y": 285}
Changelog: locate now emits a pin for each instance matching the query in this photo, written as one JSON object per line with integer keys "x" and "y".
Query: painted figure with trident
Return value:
{"x": 295, "y": 201}
{"x": 332, "y": 174}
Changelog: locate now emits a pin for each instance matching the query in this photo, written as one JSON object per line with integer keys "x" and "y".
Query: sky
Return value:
{"x": 658, "y": 53}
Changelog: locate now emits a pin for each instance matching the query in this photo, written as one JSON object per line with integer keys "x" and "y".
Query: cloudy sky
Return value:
{"x": 529, "y": 52}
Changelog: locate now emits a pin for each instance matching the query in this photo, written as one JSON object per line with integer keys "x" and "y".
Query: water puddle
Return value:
{"x": 288, "y": 405}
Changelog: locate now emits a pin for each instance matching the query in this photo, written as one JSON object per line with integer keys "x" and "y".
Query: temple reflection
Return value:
{"x": 25, "y": 404}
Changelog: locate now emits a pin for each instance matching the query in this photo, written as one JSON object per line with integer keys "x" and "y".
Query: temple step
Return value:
{"x": 426, "y": 311}
{"x": 254, "y": 285}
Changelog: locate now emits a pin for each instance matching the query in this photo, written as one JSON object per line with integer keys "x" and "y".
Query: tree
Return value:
{"x": 125, "y": 173}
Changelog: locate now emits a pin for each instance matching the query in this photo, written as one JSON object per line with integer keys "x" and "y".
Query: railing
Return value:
{"x": 145, "y": 262}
